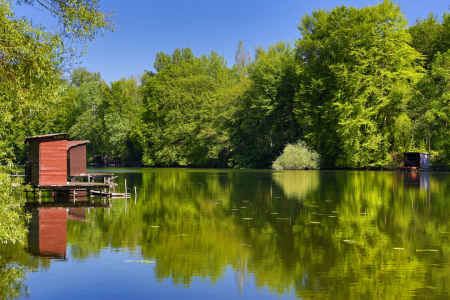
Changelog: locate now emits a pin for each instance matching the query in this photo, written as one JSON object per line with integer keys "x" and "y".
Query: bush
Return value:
{"x": 297, "y": 157}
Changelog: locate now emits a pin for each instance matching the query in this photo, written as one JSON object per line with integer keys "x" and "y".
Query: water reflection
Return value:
{"x": 47, "y": 232}
{"x": 312, "y": 234}
{"x": 418, "y": 179}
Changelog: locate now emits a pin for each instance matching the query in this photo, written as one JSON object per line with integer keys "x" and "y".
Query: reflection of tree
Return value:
{"x": 273, "y": 240}
{"x": 13, "y": 278}
{"x": 297, "y": 184}
{"x": 12, "y": 282}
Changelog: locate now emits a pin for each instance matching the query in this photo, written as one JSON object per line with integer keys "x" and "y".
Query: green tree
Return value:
{"x": 120, "y": 108}
{"x": 430, "y": 109}
{"x": 29, "y": 78}
{"x": 184, "y": 106}
{"x": 242, "y": 60}
{"x": 78, "y": 24}
{"x": 86, "y": 103}
{"x": 358, "y": 76}
{"x": 430, "y": 36}
{"x": 81, "y": 75}
{"x": 425, "y": 36}
{"x": 164, "y": 60}
{"x": 265, "y": 120}
{"x": 32, "y": 60}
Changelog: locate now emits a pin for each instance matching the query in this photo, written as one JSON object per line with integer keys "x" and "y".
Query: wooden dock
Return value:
{"x": 98, "y": 188}
{"x": 112, "y": 195}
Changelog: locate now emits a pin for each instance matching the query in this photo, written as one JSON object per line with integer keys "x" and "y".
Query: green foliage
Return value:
{"x": 31, "y": 60}
{"x": 265, "y": 120}
{"x": 29, "y": 79}
{"x": 81, "y": 75}
{"x": 430, "y": 109}
{"x": 121, "y": 104}
{"x": 82, "y": 113}
{"x": 184, "y": 109}
{"x": 242, "y": 60}
{"x": 163, "y": 60}
{"x": 78, "y": 23}
{"x": 12, "y": 283}
{"x": 430, "y": 36}
{"x": 297, "y": 157}
{"x": 359, "y": 73}
{"x": 425, "y": 36}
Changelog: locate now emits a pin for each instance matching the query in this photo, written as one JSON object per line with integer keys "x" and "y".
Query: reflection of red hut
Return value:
{"x": 48, "y": 232}
{"x": 78, "y": 214}
{"x": 76, "y": 158}
{"x": 47, "y": 158}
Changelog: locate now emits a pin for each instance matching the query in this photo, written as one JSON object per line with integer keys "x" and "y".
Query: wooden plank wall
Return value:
{"x": 76, "y": 157}
{"x": 33, "y": 160}
{"x": 53, "y": 161}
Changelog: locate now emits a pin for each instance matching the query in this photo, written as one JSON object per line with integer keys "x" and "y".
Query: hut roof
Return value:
{"x": 71, "y": 144}
{"x": 45, "y": 136}
{"x": 414, "y": 153}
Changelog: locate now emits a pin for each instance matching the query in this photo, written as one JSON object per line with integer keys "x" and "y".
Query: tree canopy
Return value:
{"x": 32, "y": 63}
{"x": 358, "y": 86}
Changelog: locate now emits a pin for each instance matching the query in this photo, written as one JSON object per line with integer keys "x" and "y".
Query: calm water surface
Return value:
{"x": 221, "y": 234}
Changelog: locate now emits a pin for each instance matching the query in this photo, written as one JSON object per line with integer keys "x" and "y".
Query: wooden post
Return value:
{"x": 109, "y": 187}
{"x": 125, "y": 189}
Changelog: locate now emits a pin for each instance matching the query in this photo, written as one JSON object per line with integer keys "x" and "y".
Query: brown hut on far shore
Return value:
{"x": 415, "y": 161}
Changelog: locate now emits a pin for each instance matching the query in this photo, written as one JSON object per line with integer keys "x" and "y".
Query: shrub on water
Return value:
{"x": 297, "y": 157}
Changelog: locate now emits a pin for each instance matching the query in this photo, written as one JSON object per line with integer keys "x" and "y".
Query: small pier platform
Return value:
{"x": 102, "y": 189}
{"x": 92, "y": 176}
{"x": 112, "y": 195}
{"x": 72, "y": 185}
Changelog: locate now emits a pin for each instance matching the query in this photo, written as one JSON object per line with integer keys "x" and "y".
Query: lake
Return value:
{"x": 246, "y": 234}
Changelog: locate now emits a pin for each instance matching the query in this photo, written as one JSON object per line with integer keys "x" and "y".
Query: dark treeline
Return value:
{"x": 359, "y": 86}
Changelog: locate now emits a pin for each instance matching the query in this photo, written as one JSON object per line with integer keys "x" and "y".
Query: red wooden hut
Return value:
{"x": 52, "y": 159}
{"x": 76, "y": 158}
{"x": 47, "y": 159}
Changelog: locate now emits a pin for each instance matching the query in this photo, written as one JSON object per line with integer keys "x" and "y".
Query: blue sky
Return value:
{"x": 143, "y": 28}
